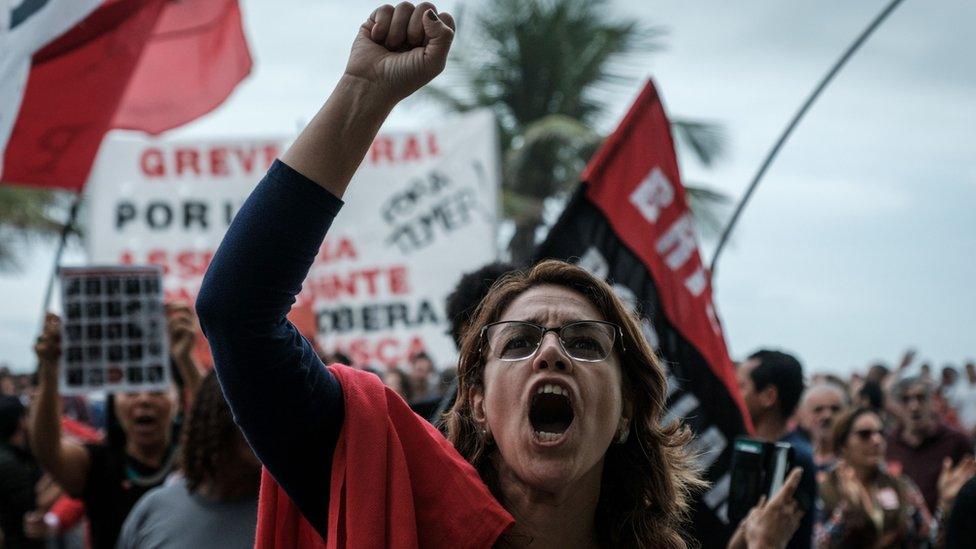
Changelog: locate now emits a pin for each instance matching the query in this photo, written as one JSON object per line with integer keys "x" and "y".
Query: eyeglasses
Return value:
{"x": 866, "y": 434}
{"x": 586, "y": 340}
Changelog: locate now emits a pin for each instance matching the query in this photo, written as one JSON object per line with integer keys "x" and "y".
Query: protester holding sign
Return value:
{"x": 554, "y": 441}
{"x": 140, "y": 451}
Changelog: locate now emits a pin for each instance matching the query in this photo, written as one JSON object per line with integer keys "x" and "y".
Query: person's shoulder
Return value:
{"x": 958, "y": 438}
{"x": 167, "y": 496}
{"x": 801, "y": 448}
{"x": 155, "y": 508}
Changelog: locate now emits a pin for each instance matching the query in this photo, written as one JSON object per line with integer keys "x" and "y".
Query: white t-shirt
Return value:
{"x": 962, "y": 397}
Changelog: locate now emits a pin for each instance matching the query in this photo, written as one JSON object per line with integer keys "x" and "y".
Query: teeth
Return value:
{"x": 546, "y": 436}
{"x": 550, "y": 388}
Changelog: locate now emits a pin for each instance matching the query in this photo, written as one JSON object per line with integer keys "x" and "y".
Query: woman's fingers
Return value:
{"x": 439, "y": 38}
{"x": 397, "y": 37}
{"x": 789, "y": 487}
{"x": 415, "y": 28}
{"x": 48, "y": 344}
{"x": 448, "y": 20}
{"x": 381, "y": 18}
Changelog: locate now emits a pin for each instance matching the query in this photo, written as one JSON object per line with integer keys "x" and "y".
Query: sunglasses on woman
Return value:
{"x": 585, "y": 340}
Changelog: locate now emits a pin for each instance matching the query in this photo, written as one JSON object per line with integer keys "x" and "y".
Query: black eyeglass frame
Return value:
{"x": 618, "y": 335}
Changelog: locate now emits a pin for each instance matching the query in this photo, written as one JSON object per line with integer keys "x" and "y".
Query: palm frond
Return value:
{"x": 27, "y": 214}
{"x": 549, "y": 155}
{"x": 708, "y": 207}
{"x": 706, "y": 139}
{"x": 547, "y": 69}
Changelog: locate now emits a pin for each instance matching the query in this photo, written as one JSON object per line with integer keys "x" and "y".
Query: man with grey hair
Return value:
{"x": 920, "y": 443}
{"x": 821, "y": 404}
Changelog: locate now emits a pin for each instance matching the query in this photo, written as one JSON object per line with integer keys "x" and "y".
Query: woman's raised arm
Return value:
{"x": 287, "y": 404}
{"x": 66, "y": 461}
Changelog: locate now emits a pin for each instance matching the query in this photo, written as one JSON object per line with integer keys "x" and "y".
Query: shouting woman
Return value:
{"x": 555, "y": 439}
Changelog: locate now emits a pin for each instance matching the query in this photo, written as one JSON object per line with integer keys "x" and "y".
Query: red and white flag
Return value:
{"x": 148, "y": 65}
{"x": 26, "y": 27}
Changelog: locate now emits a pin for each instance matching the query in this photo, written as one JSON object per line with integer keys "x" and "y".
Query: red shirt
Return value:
{"x": 923, "y": 463}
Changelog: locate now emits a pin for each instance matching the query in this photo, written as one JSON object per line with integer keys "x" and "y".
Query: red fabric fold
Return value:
{"x": 395, "y": 482}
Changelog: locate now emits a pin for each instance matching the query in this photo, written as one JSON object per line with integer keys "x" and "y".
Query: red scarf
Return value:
{"x": 396, "y": 482}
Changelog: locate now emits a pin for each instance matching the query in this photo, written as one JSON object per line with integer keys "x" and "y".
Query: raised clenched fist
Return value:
{"x": 48, "y": 344}
{"x": 398, "y": 50}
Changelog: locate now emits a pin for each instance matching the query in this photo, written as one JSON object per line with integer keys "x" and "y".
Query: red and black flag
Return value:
{"x": 629, "y": 223}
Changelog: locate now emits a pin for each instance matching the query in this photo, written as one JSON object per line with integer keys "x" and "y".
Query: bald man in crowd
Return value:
{"x": 821, "y": 405}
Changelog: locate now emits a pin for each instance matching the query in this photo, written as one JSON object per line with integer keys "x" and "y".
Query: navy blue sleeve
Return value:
{"x": 288, "y": 405}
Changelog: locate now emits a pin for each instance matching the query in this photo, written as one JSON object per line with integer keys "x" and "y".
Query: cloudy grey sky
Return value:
{"x": 860, "y": 242}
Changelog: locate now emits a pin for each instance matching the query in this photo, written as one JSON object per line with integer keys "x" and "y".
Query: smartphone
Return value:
{"x": 758, "y": 468}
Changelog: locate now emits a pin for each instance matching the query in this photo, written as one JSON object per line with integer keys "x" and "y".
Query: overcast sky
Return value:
{"x": 860, "y": 242}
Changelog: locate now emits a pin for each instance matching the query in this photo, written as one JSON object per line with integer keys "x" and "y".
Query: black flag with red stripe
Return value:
{"x": 629, "y": 223}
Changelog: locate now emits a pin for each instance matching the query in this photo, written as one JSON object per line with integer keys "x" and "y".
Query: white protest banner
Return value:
{"x": 420, "y": 211}
{"x": 156, "y": 202}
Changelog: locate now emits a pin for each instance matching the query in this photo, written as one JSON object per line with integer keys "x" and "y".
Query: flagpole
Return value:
{"x": 65, "y": 231}
{"x": 838, "y": 65}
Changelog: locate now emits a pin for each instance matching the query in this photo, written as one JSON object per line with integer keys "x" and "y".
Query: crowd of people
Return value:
{"x": 888, "y": 451}
{"x": 536, "y": 440}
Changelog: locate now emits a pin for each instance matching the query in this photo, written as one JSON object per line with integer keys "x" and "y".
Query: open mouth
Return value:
{"x": 144, "y": 420}
{"x": 550, "y": 412}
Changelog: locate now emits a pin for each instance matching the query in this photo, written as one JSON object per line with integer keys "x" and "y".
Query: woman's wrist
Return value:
{"x": 371, "y": 98}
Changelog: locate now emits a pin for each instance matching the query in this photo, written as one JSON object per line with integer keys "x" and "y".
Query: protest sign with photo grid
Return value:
{"x": 113, "y": 330}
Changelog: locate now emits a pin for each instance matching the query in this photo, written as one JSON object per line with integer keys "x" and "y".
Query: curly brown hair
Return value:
{"x": 210, "y": 437}
{"x": 647, "y": 481}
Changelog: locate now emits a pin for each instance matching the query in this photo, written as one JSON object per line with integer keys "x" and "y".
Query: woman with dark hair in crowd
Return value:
{"x": 219, "y": 485}
{"x": 555, "y": 439}
{"x": 140, "y": 449}
{"x": 863, "y": 504}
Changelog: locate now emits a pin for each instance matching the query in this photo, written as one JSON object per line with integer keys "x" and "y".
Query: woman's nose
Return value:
{"x": 550, "y": 355}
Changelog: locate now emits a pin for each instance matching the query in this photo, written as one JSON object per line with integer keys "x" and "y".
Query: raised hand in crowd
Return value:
{"x": 66, "y": 461}
{"x": 386, "y": 54}
{"x": 906, "y": 359}
{"x": 182, "y": 329}
{"x": 951, "y": 480}
{"x": 48, "y": 345}
{"x": 771, "y": 524}
{"x": 851, "y": 489}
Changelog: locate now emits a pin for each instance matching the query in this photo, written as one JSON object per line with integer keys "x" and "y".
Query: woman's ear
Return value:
{"x": 477, "y": 399}
{"x": 623, "y": 424}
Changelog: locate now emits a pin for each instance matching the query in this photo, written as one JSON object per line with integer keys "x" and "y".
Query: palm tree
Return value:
{"x": 546, "y": 68}
{"x": 25, "y": 214}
